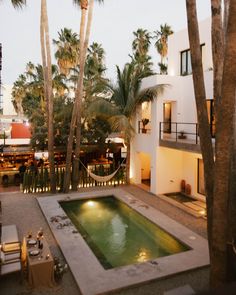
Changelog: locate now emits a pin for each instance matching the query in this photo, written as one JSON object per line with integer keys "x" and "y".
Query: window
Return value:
{"x": 186, "y": 66}
{"x": 200, "y": 178}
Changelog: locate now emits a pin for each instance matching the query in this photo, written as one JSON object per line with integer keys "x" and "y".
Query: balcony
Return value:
{"x": 177, "y": 135}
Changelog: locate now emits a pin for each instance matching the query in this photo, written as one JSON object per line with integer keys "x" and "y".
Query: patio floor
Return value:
{"x": 23, "y": 210}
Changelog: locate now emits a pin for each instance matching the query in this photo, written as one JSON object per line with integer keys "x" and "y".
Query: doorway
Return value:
{"x": 167, "y": 117}
{"x": 145, "y": 160}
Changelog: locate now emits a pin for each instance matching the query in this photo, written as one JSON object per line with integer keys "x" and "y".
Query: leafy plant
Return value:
{"x": 145, "y": 121}
{"x": 59, "y": 269}
{"x": 163, "y": 68}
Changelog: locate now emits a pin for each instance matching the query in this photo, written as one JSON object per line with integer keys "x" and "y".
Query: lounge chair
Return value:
{"x": 10, "y": 252}
{"x": 10, "y": 266}
{"x": 10, "y": 239}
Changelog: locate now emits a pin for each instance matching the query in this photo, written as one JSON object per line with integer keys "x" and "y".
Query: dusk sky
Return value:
{"x": 113, "y": 26}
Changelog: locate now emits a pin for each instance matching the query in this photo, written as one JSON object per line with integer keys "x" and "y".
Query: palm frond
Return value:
{"x": 79, "y": 2}
{"x": 101, "y": 107}
{"x": 121, "y": 124}
{"x": 18, "y": 3}
{"x": 150, "y": 93}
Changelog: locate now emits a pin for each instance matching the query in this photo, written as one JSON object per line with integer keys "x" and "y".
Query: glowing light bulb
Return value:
{"x": 90, "y": 203}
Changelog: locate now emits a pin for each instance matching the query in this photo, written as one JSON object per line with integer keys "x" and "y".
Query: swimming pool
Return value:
{"x": 117, "y": 234}
{"x": 92, "y": 277}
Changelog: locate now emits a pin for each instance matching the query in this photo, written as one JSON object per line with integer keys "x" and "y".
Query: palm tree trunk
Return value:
{"x": 226, "y": 14}
{"x": 224, "y": 135}
{"x": 217, "y": 48}
{"x": 77, "y": 106}
{"x": 75, "y": 178}
{"x": 47, "y": 69}
{"x": 231, "y": 267}
{"x": 200, "y": 98}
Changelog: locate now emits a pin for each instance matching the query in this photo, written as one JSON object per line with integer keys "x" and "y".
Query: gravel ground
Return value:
{"x": 23, "y": 210}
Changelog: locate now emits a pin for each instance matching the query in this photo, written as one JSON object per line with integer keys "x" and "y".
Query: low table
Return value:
{"x": 41, "y": 266}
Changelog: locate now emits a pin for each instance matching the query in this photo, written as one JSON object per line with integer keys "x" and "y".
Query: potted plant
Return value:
{"x": 145, "y": 121}
{"x": 59, "y": 269}
{"x": 182, "y": 135}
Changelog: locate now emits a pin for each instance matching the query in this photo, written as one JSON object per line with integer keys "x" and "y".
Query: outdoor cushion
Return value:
{"x": 9, "y": 234}
{"x": 11, "y": 247}
{"x": 10, "y": 267}
{"x": 10, "y": 240}
{"x": 2, "y": 257}
{"x": 9, "y": 257}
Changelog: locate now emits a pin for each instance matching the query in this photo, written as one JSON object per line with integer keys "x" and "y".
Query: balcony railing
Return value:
{"x": 179, "y": 132}
{"x": 146, "y": 129}
{"x": 182, "y": 132}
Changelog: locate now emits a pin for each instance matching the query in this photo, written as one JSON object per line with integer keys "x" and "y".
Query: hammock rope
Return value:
{"x": 102, "y": 178}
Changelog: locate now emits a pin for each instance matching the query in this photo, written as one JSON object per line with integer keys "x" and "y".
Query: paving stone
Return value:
{"x": 183, "y": 290}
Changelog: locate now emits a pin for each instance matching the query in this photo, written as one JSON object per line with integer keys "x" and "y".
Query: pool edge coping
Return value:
{"x": 92, "y": 278}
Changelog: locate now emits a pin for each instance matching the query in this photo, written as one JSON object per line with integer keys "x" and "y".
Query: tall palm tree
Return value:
{"x": 140, "y": 46}
{"x": 18, "y": 93}
{"x": 121, "y": 107}
{"x": 28, "y": 92}
{"x": 222, "y": 234}
{"x": 67, "y": 53}
{"x": 94, "y": 66}
{"x": 161, "y": 43}
{"x": 76, "y": 114}
{"x": 217, "y": 174}
{"x": 141, "y": 42}
{"x": 48, "y": 92}
{"x": 200, "y": 98}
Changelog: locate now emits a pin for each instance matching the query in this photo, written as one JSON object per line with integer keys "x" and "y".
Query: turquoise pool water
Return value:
{"x": 117, "y": 234}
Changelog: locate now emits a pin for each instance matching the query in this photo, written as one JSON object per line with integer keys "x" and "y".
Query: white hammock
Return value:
{"x": 102, "y": 178}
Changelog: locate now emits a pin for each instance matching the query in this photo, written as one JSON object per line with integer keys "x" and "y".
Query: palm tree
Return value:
{"x": 222, "y": 234}
{"x": 94, "y": 66}
{"x": 200, "y": 98}
{"x": 18, "y": 93}
{"x": 217, "y": 174}
{"x": 18, "y": 3}
{"x": 161, "y": 43}
{"x": 48, "y": 93}
{"x": 121, "y": 107}
{"x": 76, "y": 114}
{"x": 140, "y": 46}
{"x": 28, "y": 95}
{"x": 67, "y": 53}
{"x": 141, "y": 42}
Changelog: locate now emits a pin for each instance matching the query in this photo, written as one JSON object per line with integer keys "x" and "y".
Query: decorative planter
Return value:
{"x": 144, "y": 130}
{"x": 182, "y": 136}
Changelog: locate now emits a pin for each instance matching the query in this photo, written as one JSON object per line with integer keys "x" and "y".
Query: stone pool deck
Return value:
{"x": 23, "y": 210}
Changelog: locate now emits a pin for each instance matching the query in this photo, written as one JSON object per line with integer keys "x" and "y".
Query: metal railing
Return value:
{"x": 179, "y": 132}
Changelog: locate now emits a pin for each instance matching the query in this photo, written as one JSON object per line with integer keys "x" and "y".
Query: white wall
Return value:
{"x": 145, "y": 165}
{"x": 8, "y": 108}
{"x": 190, "y": 172}
{"x": 179, "y": 41}
{"x": 170, "y": 166}
{"x": 169, "y": 170}
{"x": 15, "y": 141}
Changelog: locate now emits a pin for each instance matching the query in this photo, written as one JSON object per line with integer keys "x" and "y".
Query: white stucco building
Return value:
{"x": 169, "y": 151}
{"x": 8, "y": 108}
{"x": 13, "y": 127}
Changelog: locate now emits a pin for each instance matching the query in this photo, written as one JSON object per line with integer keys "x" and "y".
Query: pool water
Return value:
{"x": 182, "y": 198}
{"x": 117, "y": 234}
